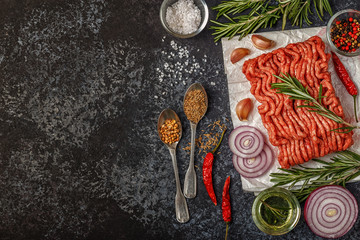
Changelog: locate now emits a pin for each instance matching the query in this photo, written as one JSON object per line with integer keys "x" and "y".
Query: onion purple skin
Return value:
{"x": 266, "y": 159}
{"x": 255, "y": 147}
{"x": 348, "y": 195}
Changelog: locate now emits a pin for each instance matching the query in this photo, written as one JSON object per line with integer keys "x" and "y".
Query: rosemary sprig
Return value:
{"x": 342, "y": 168}
{"x": 244, "y": 24}
{"x": 320, "y": 6}
{"x": 236, "y": 6}
{"x": 299, "y": 14}
{"x": 261, "y": 14}
{"x": 275, "y": 214}
{"x": 293, "y": 87}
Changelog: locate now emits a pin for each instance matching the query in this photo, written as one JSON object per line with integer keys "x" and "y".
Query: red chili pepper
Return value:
{"x": 207, "y": 171}
{"x": 226, "y": 208}
{"x": 345, "y": 79}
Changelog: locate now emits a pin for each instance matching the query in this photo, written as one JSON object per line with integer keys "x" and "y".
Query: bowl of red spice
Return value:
{"x": 184, "y": 18}
{"x": 343, "y": 32}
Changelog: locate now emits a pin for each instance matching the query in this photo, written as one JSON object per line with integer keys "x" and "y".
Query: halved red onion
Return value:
{"x": 254, "y": 167}
{"x": 246, "y": 141}
{"x": 330, "y": 211}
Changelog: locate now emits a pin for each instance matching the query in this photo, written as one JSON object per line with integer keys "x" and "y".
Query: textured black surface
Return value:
{"x": 81, "y": 86}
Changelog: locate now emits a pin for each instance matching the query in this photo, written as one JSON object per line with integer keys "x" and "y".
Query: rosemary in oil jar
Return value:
{"x": 275, "y": 210}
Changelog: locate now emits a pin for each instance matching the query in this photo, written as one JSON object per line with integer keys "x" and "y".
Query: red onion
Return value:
{"x": 330, "y": 211}
{"x": 246, "y": 141}
{"x": 254, "y": 167}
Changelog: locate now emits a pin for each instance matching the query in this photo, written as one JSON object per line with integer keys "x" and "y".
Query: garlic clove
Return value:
{"x": 238, "y": 53}
{"x": 243, "y": 108}
{"x": 261, "y": 42}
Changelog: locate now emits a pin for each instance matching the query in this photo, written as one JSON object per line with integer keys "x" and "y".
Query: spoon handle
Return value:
{"x": 190, "y": 176}
{"x": 181, "y": 208}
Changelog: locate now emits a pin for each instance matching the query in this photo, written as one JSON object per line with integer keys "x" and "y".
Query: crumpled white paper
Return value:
{"x": 239, "y": 88}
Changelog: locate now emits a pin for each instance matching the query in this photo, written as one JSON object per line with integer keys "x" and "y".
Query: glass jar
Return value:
{"x": 201, "y": 4}
{"x": 339, "y": 16}
{"x": 276, "y": 211}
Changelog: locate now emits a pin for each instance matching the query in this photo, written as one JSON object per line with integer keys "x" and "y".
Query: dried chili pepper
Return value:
{"x": 226, "y": 208}
{"x": 345, "y": 79}
{"x": 207, "y": 171}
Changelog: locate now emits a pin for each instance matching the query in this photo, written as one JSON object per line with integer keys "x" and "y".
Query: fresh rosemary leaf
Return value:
{"x": 320, "y": 93}
{"x": 327, "y": 7}
{"x": 352, "y": 176}
{"x": 306, "y": 106}
{"x": 237, "y": 6}
{"x": 342, "y": 168}
{"x": 298, "y": 98}
{"x": 278, "y": 85}
{"x": 349, "y": 129}
{"x": 318, "y": 9}
{"x": 261, "y": 14}
{"x": 320, "y": 161}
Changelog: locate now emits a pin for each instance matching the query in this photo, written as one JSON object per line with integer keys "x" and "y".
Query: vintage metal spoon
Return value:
{"x": 190, "y": 176}
{"x": 181, "y": 208}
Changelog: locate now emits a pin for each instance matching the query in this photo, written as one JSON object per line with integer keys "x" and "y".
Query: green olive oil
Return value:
{"x": 276, "y": 211}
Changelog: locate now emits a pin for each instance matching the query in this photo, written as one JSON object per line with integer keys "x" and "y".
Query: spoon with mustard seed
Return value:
{"x": 195, "y": 107}
{"x": 170, "y": 131}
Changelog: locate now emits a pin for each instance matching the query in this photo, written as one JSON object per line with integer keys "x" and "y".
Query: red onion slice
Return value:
{"x": 246, "y": 141}
{"x": 254, "y": 167}
{"x": 331, "y": 211}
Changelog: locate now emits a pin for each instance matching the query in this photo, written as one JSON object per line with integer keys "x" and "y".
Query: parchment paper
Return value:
{"x": 239, "y": 88}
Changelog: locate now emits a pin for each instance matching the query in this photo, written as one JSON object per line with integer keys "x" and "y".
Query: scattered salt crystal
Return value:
{"x": 183, "y": 17}
{"x": 177, "y": 64}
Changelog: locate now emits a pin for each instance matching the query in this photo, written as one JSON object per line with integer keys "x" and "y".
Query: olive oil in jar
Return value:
{"x": 276, "y": 211}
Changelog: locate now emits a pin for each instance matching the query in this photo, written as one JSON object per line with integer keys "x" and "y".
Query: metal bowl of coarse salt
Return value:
{"x": 184, "y": 18}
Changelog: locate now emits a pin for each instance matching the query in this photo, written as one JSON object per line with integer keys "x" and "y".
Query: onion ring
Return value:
{"x": 246, "y": 141}
{"x": 254, "y": 167}
{"x": 330, "y": 211}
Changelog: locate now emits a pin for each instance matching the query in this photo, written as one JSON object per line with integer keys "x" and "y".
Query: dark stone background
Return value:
{"x": 81, "y": 86}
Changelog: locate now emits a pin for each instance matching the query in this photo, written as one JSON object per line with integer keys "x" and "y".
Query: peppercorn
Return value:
{"x": 344, "y": 34}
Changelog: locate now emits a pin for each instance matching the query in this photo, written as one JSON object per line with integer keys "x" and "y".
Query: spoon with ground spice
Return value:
{"x": 170, "y": 131}
{"x": 195, "y": 107}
